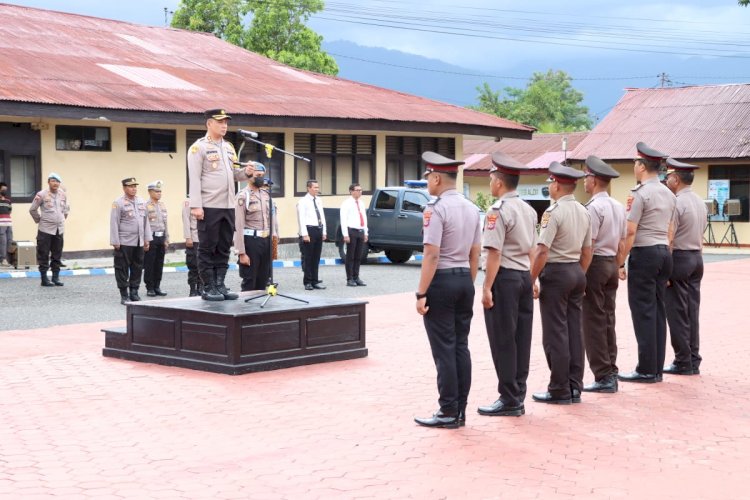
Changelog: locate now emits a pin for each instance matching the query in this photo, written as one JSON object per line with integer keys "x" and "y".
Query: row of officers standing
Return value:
{"x": 572, "y": 266}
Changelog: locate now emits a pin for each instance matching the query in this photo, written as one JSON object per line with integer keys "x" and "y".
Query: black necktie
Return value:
{"x": 317, "y": 213}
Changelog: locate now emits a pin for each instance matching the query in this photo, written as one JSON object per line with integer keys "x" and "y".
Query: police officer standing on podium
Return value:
{"x": 212, "y": 176}
{"x": 563, "y": 256}
{"x": 252, "y": 237}
{"x": 608, "y": 232}
{"x": 683, "y": 294}
{"x": 153, "y": 260}
{"x": 507, "y": 295}
{"x": 650, "y": 209}
{"x": 445, "y": 295}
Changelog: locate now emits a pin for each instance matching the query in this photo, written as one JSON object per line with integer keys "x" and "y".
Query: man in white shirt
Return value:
{"x": 312, "y": 233}
{"x": 353, "y": 219}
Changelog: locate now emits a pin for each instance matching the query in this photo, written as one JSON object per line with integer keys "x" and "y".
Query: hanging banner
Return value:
{"x": 718, "y": 189}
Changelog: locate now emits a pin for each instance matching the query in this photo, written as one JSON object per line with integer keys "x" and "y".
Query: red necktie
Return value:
{"x": 361, "y": 219}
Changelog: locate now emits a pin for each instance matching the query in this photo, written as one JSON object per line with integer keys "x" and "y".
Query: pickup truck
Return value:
{"x": 394, "y": 220}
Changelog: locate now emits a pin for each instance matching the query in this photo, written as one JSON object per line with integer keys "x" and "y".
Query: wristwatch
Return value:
{"x": 420, "y": 295}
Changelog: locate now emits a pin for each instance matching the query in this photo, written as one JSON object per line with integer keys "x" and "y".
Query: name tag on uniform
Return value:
{"x": 158, "y": 234}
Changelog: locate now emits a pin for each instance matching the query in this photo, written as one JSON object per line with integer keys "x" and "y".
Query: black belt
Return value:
{"x": 605, "y": 257}
{"x": 355, "y": 229}
{"x": 319, "y": 227}
{"x": 689, "y": 251}
{"x": 561, "y": 263}
{"x": 454, "y": 270}
{"x": 509, "y": 270}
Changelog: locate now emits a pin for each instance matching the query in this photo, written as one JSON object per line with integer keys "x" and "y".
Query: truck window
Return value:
{"x": 414, "y": 202}
{"x": 386, "y": 200}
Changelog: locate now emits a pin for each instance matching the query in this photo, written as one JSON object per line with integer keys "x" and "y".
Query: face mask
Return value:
{"x": 258, "y": 181}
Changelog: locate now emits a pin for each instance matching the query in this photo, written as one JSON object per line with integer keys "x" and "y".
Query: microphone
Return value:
{"x": 248, "y": 133}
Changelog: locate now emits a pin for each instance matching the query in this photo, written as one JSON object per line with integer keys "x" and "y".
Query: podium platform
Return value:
{"x": 234, "y": 337}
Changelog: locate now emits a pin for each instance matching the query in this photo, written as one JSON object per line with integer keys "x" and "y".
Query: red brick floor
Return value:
{"x": 75, "y": 424}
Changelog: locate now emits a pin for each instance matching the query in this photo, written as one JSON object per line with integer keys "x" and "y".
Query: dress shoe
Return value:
{"x": 308, "y": 287}
{"x": 606, "y": 385}
{"x": 462, "y": 417}
{"x": 500, "y": 409}
{"x": 546, "y": 397}
{"x": 439, "y": 420}
{"x": 674, "y": 369}
{"x": 134, "y": 297}
{"x": 318, "y": 286}
{"x": 359, "y": 282}
{"x": 350, "y": 283}
{"x": 575, "y": 396}
{"x": 158, "y": 292}
{"x": 151, "y": 293}
{"x": 643, "y": 378}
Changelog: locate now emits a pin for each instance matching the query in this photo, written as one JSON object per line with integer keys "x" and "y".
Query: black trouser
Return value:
{"x": 255, "y": 276}
{"x": 48, "y": 246}
{"x": 354, "y": 253}
{"x": 509, "y": 323}
{"x": 649, "y": 269}
{"x": 191, "y": 260}
{"x": 153, "y": 263}
{"x": 450, "y": 297}
{"x": 683, "y": 300}
{"x": 560, "y": 304}
{"x": 128, "y": 266}
{"x": 311, "y": 254}
{"x": 215, "y": 234}
{"x": 599, "y": 338}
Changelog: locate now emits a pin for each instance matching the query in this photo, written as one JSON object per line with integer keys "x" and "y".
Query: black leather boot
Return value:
{"x": 124, "y": 296}
{"x": 193, "y": 290}
{"x": 134, "y": 297}
{"x": 45, "y": 279}
{"x": 56, "y": 278}
{"x": 209, "y": 286}
{"x": 158, "y": 292}
{"x": 221, "y": 273}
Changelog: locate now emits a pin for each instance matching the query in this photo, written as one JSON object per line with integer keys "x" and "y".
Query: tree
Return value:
{"x": 549, "y": 103}
{"x": 277, "y": 29}
{"x": 744, "y": 3}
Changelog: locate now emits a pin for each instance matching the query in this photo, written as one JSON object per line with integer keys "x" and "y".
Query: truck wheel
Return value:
{"x": 398, "y": 256}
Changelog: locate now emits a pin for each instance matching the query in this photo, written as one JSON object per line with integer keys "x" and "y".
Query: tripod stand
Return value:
{"x": 708, "y": 237}
{"x": 730, "y": 235}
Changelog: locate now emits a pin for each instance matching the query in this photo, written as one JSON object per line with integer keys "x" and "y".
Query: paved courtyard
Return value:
{"x": 74, "y": 424}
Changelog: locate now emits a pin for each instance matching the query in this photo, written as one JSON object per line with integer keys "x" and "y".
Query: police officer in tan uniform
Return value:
{"x": 53, "y": 203}
{"x": 507, "y": 294}
{"x": 445, "y": 295}
{"x": 212, "y": 175}
{"x": 650, "y": 209}
{"x": 683, "y": 294}
{"x": 563, "y": 256}
{"x": 130, "y": 235}
{"x": 153, "y": 260}
{"x": 602, "y": 277}
{"x": 192, "y": 242}
{"x": 253, "y": 233}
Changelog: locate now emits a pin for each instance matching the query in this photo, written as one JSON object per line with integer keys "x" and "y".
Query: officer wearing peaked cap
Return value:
{"x": 445, "y": 294}
{"x": 563, "y": 256}
{"x": 608, "y": 232}
{"x": 683, "y": 294}
{"x": 650, "y": 208}
{"x": 153, "y": 260}
{"x": 510, "y": 240}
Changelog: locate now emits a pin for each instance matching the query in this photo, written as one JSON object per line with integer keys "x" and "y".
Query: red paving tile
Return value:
{"x": 74, "y": 423}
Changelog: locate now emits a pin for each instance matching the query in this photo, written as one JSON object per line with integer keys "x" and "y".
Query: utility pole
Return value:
{"x": 664, "y": 79}
{"x": 166, "y": 14}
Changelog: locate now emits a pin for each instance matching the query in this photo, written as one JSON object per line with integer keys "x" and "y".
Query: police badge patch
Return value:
{"x": 545, "y": 218}
{"x": 491, "y": 221}
{"x": 426, "y": 215}
{"x": 629, "y": 203}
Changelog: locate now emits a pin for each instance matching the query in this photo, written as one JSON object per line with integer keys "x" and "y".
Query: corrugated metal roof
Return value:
{"x": 58, "y": 58}
{"x": 701, "y": 122}
{"x": 536, "y": 153}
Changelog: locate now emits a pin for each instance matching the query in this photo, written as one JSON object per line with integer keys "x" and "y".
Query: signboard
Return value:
{"x": 533, "y": 191}
{"x": 718, "y": 189}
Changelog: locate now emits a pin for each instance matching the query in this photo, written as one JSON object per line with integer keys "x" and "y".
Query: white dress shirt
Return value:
{"x": 349, "y": 216}
{"x": 306, "y": 215}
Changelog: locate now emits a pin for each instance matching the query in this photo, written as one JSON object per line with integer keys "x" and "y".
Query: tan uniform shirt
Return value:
{"x": 690, "y": 221}
{"x": 451, "y": 222}
{"x": 54, "y": 209}
{"x": 250, "y": 212}
{"x": 189, "y": 223}
{"x": 651, "y": 205}
{"x": 510, "y": 226}
{"x": 128, "y": 224}
{"x": 608, "y": 225}
{"x": 565, "y": 229}
{"x": 212, "y": 174}
{"x": 157, "y": 218}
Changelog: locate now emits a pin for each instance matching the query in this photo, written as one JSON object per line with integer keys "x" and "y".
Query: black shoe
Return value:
{"x": 607, "y": 385}
{"x": 575, "y": 396}
{"x": 439, "y": 420}
{"x": 674, "y": 369}
{"x": 158, "y": 292}
{"x": 500, "y": 409}
{"x": 134, "y": 295}
{"x": 308, "y": 287}
{"x": 696, "y": 371}
{"x": 635, "y": 376}
{"x": 318, "y": 286}
{"x": 351, "y": 283}
{"x": 124, "y": 296}
{"x": 151, "y": 293}
{"x": 462, "y": 417}
{"x": 56, "y": 278}
{"x": 45, "y": 280}
{"x": 546, "y": 397}
{"x": 221, "y": 274}
{"x": 359, "y": 282}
